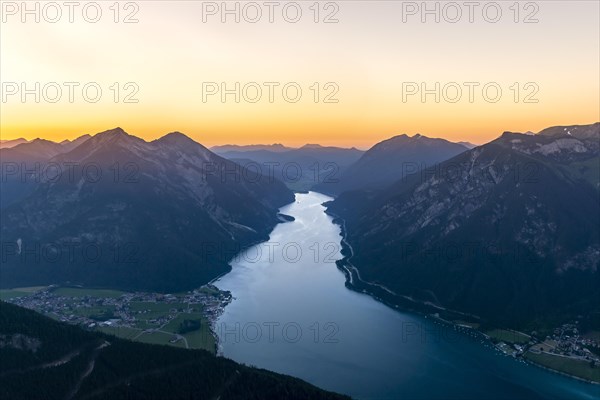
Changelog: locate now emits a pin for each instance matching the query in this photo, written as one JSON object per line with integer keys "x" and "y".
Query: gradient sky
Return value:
{"x": 369, "y": 53}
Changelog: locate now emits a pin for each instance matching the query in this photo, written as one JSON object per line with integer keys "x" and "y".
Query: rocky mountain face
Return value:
{"x": 508, "y": 230}
{"x": 165, "y": 215}
{"x": 391, "y": 160}
{"x": 581, "y": 132}
{"x": 300, "y": 169}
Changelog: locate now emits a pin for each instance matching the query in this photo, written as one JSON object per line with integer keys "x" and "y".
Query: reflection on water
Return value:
{"x": 292, "y": 314}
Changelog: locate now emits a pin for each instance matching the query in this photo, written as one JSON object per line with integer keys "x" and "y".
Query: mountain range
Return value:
{"x": 389, "y": 161}
{"x": 165, "y": 215}
{"x": 24, "y": 164}
{"x": 5, "y": 144}
{"x": 300, "y": 169}
{"x": 507, "y": 231}
{"x": 275, "y": 147}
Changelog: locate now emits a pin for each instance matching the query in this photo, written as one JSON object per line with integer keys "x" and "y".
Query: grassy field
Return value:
{"x": 19, "y": 292}
{"x": 473, "y": 325}
{"x": 82, "y": 292}
{"x": 152, "y": 310}
{"x": 546, "y": 345}
{"x": 579, "y": 368}
{"x": 122, "y": 332}
{"x": 200, "y": 339}
{"x": 503, "y": 335}
{"x": 155, "y": 338}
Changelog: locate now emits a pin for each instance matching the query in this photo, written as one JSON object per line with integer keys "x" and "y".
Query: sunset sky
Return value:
{"x": 370, "y": 55}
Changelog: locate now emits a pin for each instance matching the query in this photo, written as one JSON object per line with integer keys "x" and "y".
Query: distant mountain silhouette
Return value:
{"x": 25, "y": 164}
{"x": 6, "y": 144}
{"x": 467, "y": 144}
{"x": 71, "y": 144}
{"x": 301, "y": 169}
{"x": 390, "y": 160}
{"x": 36, "y": 150}
{"x": 276, "y": 147}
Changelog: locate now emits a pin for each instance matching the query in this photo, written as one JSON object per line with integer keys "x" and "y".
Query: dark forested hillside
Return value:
{"x": 44, "y": 359}
{"x": 507, "y": 230}
{"x": 165, "y": 215}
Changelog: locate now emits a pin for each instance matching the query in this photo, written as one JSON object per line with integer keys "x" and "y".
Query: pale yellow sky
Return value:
{"x": 368, "y": 58}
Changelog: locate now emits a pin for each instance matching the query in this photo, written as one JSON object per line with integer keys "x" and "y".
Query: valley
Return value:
{"x": 400, "y": 283}
{"x": 300, "y": 200}
{"x": 299, "y": 318}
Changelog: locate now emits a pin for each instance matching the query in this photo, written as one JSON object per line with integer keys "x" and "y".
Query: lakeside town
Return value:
{"x": 566, "y": 350}
{"x": 184, "y": 319}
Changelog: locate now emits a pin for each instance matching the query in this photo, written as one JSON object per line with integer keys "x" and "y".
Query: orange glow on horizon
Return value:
{"x": 370, "y": 55}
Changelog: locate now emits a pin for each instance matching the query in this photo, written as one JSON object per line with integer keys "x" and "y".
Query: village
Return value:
{"x": 566, "y": 350}
{"x": 183, "y": 319}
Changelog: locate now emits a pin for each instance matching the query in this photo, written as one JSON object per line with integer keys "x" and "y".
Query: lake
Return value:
{"x": 292, "y": 314}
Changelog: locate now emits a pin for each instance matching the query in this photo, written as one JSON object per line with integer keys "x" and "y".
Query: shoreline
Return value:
{"x": 538, "y": 365}
{"x": 282, "y": 219}
{"x": 382, "y": 293}
{"x": 412, "y": 306}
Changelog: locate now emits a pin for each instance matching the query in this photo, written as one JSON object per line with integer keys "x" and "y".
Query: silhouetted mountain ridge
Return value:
{"x": 390, "y": 160}
{"x": 301, "y": 169}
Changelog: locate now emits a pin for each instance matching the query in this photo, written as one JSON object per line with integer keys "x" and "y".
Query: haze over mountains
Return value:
{"x": 162, "y": 215}
{"x": 275, "y": 147}
{"x": 467, "y": 145}
{"x": 24, "y": 163}
{"x": 5, "y": 144}
{"x": 507, "y": 231}
{"x": 301, "y": 168}
{"x": 391, "y": 160}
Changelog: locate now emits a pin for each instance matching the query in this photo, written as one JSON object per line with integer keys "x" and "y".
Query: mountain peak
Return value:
{"x": 111, "y": 135}
{"x": 114, "y": 132}
{"x": 403, "y": 138}
{"x": 181, "y": 140}
{"x": 41, "y": 141}
{"x": 176, "y": 137}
